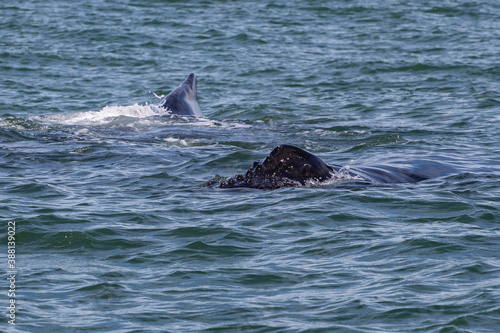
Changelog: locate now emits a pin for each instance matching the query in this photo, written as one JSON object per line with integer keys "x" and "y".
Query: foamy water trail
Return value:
{"x": 108, "y": 115}
{"x": 132, "y": 116}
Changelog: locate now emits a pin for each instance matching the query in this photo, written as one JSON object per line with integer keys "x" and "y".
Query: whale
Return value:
{"x": 291, "y": 166}
{"x": 183, "y": 100}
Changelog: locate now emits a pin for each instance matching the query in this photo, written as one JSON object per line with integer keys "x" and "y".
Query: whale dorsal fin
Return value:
{"x": 183, "y": 99}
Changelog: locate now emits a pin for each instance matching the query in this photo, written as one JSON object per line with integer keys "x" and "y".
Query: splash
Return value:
{"x": 136, "y": 115}
{"x": 108, "y": 115}
{"x": 340, "y": 176}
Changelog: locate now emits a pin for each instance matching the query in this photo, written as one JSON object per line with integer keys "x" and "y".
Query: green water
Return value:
{"x": 116, "y": 232}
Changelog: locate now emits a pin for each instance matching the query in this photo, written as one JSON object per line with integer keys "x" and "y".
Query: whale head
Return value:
{"x": 182, "y": 100}
{"x": 285, "y": 166}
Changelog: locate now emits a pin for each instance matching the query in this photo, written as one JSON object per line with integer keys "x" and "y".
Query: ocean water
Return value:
{"x": 116, "y": 232}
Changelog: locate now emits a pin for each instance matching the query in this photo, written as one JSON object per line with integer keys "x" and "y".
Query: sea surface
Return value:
{"x": 117, "y": 232}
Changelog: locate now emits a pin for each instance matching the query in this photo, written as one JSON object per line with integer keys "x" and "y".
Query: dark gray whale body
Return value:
{"x": 183, "y": 100}
{"x": 290, "y": 166}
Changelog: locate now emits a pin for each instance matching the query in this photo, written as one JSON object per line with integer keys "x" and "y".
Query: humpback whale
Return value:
{"x": 182, "y": 100}
{"x": 291, "y": 166}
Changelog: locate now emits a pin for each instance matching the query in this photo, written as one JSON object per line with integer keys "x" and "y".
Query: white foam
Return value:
{"x": 343, "y": 174}
{"x": 177, "y": 141}
{"x": 340, "y": 176}
{"x": 134, "y": 115}
{"x": 108, "y": 114}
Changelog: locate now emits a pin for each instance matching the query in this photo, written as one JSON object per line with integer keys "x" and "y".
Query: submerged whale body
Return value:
{"x": 183, "y": 100}
{"x": 290, "y": 166}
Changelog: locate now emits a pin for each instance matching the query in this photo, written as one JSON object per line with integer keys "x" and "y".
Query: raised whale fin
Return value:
{"x": 183, "y": 100}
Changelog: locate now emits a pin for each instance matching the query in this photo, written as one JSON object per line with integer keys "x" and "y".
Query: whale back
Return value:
{"x": 290, "y": 166}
